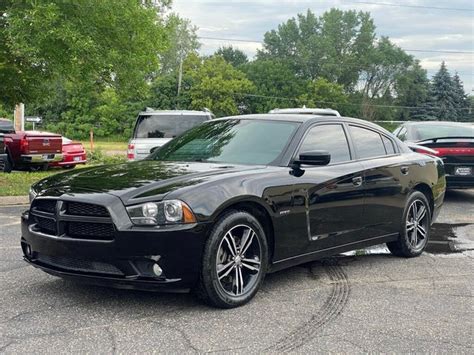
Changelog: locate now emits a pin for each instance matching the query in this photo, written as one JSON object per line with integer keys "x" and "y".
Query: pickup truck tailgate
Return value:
{"x": 43, "y": 143}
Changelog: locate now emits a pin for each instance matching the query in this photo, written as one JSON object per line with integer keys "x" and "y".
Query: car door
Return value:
{"x": 385, "y": 174}
{"x": 333, "y": 193}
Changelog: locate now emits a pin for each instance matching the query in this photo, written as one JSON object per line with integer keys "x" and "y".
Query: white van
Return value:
{"x": 154, "y": 128}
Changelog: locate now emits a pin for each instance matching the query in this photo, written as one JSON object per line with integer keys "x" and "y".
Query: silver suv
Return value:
{"x": 307, "y": 111}
{"x": 154, "y": 128}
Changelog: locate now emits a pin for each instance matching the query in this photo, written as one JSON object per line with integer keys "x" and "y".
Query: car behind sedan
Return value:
{"x": 217, "y": 208}
{"x": 453, "y": 142}
{"x": 73, "y": 154}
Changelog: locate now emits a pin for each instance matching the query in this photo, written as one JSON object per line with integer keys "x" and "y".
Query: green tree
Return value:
{"x": 322, "y": 93}
{"x": 183, "y": 41}
{"x": 442, "y": 96}
{"x": 276, "y": 84}
{"x": 460, "y": 98}
{"x": 219, "y": 87}
{"x": 412, "y": 89}
{"x": 333, "y": 46}
{"x": 232, "y": 55}
{"x": 106, "y": 42}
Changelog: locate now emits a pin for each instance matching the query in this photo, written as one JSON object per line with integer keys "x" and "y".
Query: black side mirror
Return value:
{"x": 152, "y": 150}
{"x": 316, "y": 157}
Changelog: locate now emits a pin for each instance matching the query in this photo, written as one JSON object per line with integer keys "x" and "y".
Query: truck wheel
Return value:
{"x": 7, "y": 165}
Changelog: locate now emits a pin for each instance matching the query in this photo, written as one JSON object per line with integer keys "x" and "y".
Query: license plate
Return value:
{"x": 77, "y": 158}
{"x": 463, "y": 170}
{"x": 48, "y": 156}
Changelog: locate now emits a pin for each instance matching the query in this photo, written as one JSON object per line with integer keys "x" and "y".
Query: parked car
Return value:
{"x": 451, "y": 141}
{"x": 154, "y": 128}
{"x": 217, "y": 208}
{"x": 3, "y": 154}
{"x": 29, "y": 149}
{"x": 307, "y": 111}
{"x": 73, "y": 154}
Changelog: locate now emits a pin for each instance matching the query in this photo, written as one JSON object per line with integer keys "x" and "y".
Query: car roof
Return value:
{"x": 150, "y": 111}
{"x": 303, "y": 119}
{"x": 306, "y": 111}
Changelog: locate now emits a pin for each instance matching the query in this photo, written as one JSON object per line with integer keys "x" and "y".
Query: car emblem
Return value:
{"x": 45, "y": 142}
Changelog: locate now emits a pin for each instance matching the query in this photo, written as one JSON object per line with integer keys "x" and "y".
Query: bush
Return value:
{"x": 98, "y": 157}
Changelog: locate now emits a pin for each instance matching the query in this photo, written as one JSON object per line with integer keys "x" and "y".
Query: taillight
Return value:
{"x": 131, "y": 152}
{"x": 24, "y": 145}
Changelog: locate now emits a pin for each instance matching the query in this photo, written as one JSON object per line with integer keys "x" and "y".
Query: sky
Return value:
{"x": 413, "y": 27}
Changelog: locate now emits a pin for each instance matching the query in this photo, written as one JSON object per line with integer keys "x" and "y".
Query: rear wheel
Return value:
{"x": 415, "y": 228}
{"x": 234, "y": 262}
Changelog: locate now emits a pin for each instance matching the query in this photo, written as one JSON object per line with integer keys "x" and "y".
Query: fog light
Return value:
{"x": 157, "y": 269}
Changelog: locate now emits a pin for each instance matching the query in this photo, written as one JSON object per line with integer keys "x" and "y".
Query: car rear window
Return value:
{"x": 6, "y": 126}
{"x": 442, "y": 131}
{"x": 166, "y": 126}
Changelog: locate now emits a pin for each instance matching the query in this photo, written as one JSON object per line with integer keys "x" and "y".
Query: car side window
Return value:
{"x": 389, "y": 148}
{"x": 368, "y": 143}
{"x": 330, "y": 137}
{"x": 402, "y": 134}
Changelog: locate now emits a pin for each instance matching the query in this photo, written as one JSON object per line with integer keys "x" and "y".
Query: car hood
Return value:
{"x": 137, "y": 181}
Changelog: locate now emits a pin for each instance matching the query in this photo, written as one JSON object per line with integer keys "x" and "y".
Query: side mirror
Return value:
{"x": 152, "y": 150}
{"x": 316, "y": 157}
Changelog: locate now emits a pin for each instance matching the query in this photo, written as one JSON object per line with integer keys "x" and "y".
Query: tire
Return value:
{"x": 414, "y": 235}
{"x": 7, "y": 165}
{"x": 69, "y": 167}
{"x": 234, "y": 262}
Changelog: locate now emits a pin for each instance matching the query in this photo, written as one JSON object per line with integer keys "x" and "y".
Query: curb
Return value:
{"x": 14, "y": 200}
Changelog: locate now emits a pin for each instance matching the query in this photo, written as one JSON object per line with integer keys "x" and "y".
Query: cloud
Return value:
{"x": 410, "y": 28}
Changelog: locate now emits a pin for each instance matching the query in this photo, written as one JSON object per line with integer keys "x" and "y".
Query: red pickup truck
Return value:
{"x": 29, "y": 150}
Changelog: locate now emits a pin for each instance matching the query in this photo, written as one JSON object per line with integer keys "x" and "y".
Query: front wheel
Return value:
{"x": 234, "y": 262}
{"x": 415, "y": 228}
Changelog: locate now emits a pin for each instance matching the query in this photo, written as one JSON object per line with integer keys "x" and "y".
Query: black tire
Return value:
{"x": 411, "y": 241}
{"x": 7, "y": 165}
{"x": 219, "y": 288}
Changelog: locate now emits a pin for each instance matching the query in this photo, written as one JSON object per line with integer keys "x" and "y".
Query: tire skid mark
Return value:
{"x": 331, "y": 309}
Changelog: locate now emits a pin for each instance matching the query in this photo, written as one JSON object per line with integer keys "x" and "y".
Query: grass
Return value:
{"x": 105, "y": 145}
{"x": 18, "y": 183}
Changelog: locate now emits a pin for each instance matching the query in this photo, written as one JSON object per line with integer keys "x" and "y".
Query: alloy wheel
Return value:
{"x": 417, "y": 225}
{"x": 238, "y": 262}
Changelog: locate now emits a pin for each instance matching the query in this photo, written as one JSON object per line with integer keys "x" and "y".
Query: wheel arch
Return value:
{"x": 425, "y": 189}
{"x": 257, "y": 209}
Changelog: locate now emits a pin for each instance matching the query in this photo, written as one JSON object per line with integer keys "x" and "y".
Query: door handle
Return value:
{"x": 405, "y": 170}
{"x": 357, "y": 181}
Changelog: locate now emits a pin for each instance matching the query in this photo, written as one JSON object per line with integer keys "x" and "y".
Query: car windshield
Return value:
{"x": 230, "y": 141}
{"x": 166, "y": 126}
{"x": 6, "y": 126}
{"x": 439, "y": 130}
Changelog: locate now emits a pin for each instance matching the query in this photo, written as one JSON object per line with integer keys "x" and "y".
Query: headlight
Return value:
{"x": 159, "y": 213}
{"x": 32, "y": 194}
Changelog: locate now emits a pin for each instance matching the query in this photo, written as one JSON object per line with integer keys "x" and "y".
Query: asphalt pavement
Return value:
{"x": 359, "y": 302}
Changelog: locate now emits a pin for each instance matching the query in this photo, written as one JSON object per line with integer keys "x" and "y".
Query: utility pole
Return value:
{"x": 19, "y": 117}
{"x": 180, "y": 78}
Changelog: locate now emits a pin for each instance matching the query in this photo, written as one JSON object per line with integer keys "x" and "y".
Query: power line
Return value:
{"x": 341, "y": 103}
{"x": 409, "y": 6}
{"x": 261, "y": 42}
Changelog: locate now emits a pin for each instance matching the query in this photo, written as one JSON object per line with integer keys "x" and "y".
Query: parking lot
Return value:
{"x": 359, "y": 302}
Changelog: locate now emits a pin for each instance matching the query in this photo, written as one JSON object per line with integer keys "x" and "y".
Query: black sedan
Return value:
{"x": 217, "y": 208}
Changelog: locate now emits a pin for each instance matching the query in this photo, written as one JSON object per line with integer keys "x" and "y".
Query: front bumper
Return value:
{"x": 41, "y": 158}
{"x": 124, "y": 262}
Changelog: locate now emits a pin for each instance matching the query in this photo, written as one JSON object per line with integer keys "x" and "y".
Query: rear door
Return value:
{"x": 43, "y": 143}
{"x": 385, "y": 174}
{"x": 334, "y": 194}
